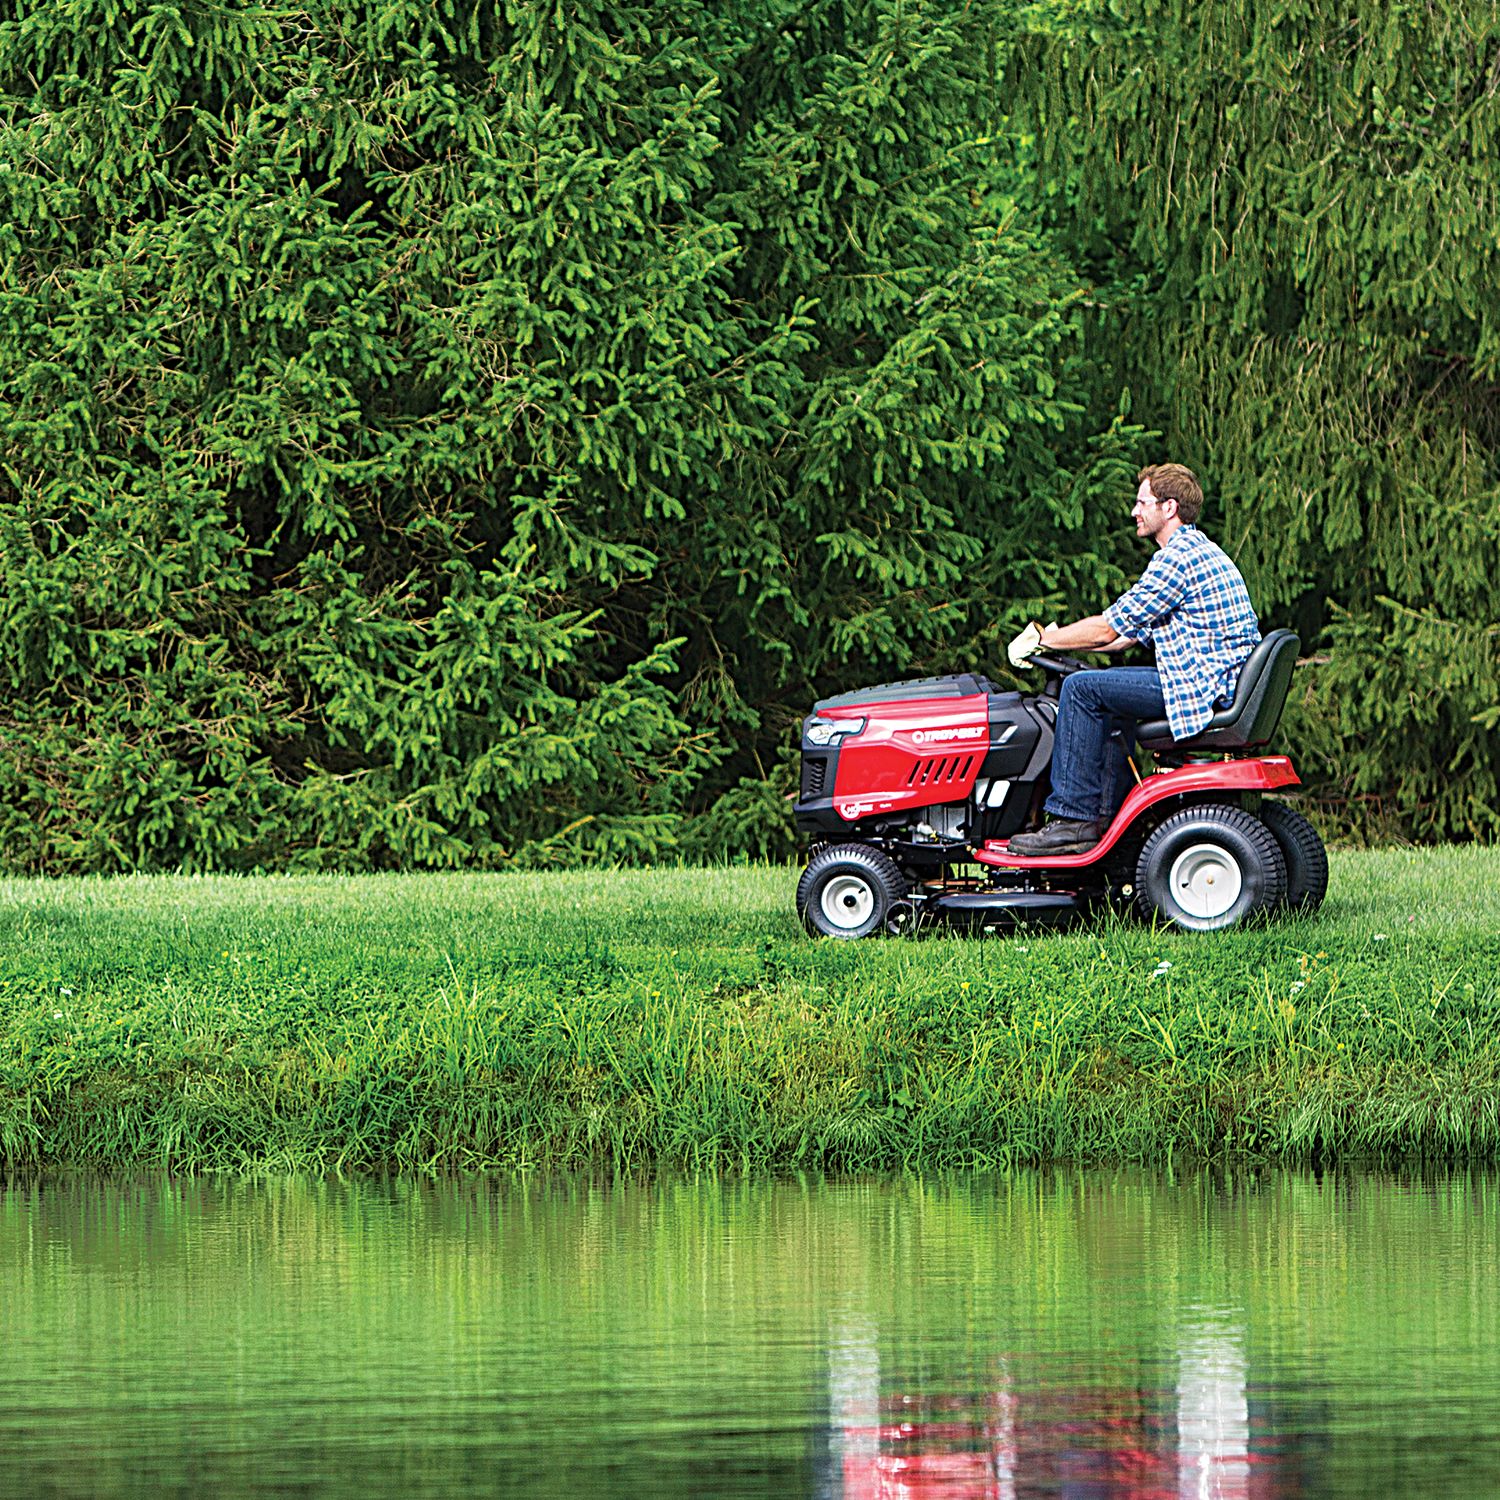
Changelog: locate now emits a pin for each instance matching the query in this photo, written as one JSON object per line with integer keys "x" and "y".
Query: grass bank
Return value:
{"x": 680, "y": 1017}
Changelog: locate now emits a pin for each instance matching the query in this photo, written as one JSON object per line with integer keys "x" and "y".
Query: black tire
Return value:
{"x": 848, "y": 891}
{"x": 1207, "y": 868}
{"x": 1306, "y": 858}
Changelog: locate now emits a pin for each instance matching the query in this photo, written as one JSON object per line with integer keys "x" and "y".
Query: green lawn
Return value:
{"x": 681, "y": 1017}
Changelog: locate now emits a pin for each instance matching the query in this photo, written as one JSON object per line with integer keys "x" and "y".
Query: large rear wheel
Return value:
{"x": 1208, "y": 868}
{"x": 848, "y": 891}
{"x": 1306, "y": 858}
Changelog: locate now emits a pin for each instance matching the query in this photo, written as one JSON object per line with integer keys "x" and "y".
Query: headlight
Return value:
{"x": 830, "y": 731}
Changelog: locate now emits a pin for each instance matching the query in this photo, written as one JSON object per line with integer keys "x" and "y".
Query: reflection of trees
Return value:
{"x": 496, "y": 1304}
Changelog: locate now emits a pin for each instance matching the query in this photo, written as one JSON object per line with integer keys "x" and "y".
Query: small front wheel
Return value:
{"x": 847, "y": 891}
{"x": 1210, "y": 867}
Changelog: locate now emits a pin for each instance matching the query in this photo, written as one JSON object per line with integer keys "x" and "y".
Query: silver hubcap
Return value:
{"x": 1205, "y": 881}
{"x": 848, "y": 901}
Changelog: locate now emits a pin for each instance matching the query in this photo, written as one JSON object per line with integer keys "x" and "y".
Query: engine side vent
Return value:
{"x": 941, "y": 769}
{"x": 814, "y": 776}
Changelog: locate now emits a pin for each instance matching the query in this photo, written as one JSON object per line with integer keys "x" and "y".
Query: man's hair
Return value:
{"x": 1176, "y": 482}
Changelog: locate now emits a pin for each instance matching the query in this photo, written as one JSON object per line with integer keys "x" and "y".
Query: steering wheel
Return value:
{"x": 1057, "y": 666}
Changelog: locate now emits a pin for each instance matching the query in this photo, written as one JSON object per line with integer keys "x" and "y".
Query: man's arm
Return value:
{"x": 1093, "y": 634}
{"x": 1151, "y": 600}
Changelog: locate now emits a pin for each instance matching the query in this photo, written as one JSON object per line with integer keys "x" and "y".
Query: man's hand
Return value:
{"x": 1025, "y": 645}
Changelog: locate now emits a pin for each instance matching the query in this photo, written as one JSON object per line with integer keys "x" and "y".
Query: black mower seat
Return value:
{"x": 1251, "y": 719}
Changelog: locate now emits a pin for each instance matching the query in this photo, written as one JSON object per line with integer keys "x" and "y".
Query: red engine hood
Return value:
{"x": 911, "y": 754}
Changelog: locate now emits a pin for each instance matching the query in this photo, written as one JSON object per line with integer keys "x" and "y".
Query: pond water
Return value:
{"x": 1059, "y": 1333}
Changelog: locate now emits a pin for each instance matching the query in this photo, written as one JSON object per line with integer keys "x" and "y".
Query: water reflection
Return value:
{"x": 1199, "y": 1439}
{"x": 1213, "y": 1413}
{"x": 1062, "y": 1334}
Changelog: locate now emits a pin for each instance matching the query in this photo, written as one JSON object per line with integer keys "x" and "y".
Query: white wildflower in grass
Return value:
{"x": 66, "y": 990}
{"x": 1161, "y": 969}
{"x": 1300, "y": 984}
{"x": 57, "y": 1015}
{"x": 1382, "y": 937}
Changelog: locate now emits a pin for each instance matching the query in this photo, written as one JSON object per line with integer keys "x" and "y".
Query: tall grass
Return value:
{"x": 681, "y": 1017}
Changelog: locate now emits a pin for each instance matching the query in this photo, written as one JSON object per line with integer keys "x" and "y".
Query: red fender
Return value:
{"x": 1259, "y": 775}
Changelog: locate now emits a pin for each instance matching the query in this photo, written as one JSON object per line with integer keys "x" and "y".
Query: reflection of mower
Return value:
{"x": 906, "y": 788}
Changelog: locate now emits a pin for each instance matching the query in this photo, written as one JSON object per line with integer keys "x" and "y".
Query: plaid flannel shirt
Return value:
{"x": 1193, "y": 606}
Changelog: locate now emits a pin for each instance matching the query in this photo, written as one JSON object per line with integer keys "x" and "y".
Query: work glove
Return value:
{"x": 1025, "y": 645}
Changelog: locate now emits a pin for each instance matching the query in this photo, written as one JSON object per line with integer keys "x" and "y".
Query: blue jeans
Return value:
{"x": 1090, "y": 771}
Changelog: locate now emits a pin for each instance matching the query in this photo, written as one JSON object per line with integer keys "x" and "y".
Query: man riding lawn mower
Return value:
{"x": 908, "y": 786}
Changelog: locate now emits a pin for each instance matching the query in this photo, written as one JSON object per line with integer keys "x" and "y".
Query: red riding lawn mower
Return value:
{"x": 910, "y": 791}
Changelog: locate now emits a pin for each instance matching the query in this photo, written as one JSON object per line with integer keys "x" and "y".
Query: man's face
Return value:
{"x": 1150, "y": 514}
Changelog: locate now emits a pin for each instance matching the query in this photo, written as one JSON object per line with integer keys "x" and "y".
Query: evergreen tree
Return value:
{"x": 472, "y": 432}
{"x": 936, "y": 483}
{"x": 354, "y": 354}
{"x": 1289, "y": 218}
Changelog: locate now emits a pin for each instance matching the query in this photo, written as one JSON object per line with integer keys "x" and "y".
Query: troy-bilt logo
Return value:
{"x": 849, "y": 811}
{"x": 943, "y": 736}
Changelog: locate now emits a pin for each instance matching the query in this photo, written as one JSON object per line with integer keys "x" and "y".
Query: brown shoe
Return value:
{"x": 1060, "y": 836}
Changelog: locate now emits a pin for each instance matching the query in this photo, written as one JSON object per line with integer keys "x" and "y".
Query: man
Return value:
{"x": 1192, "y": 605}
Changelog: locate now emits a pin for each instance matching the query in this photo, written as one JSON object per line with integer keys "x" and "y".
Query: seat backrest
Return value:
{"x": 1259, "y": 697}
{"x": 1260, "y": 694}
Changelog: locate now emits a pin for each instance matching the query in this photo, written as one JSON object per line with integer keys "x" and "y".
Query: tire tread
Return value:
{"x": 1303, "y": 852}
{"x": 1264, "y": 842}
{"x": 875, "y": 863}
